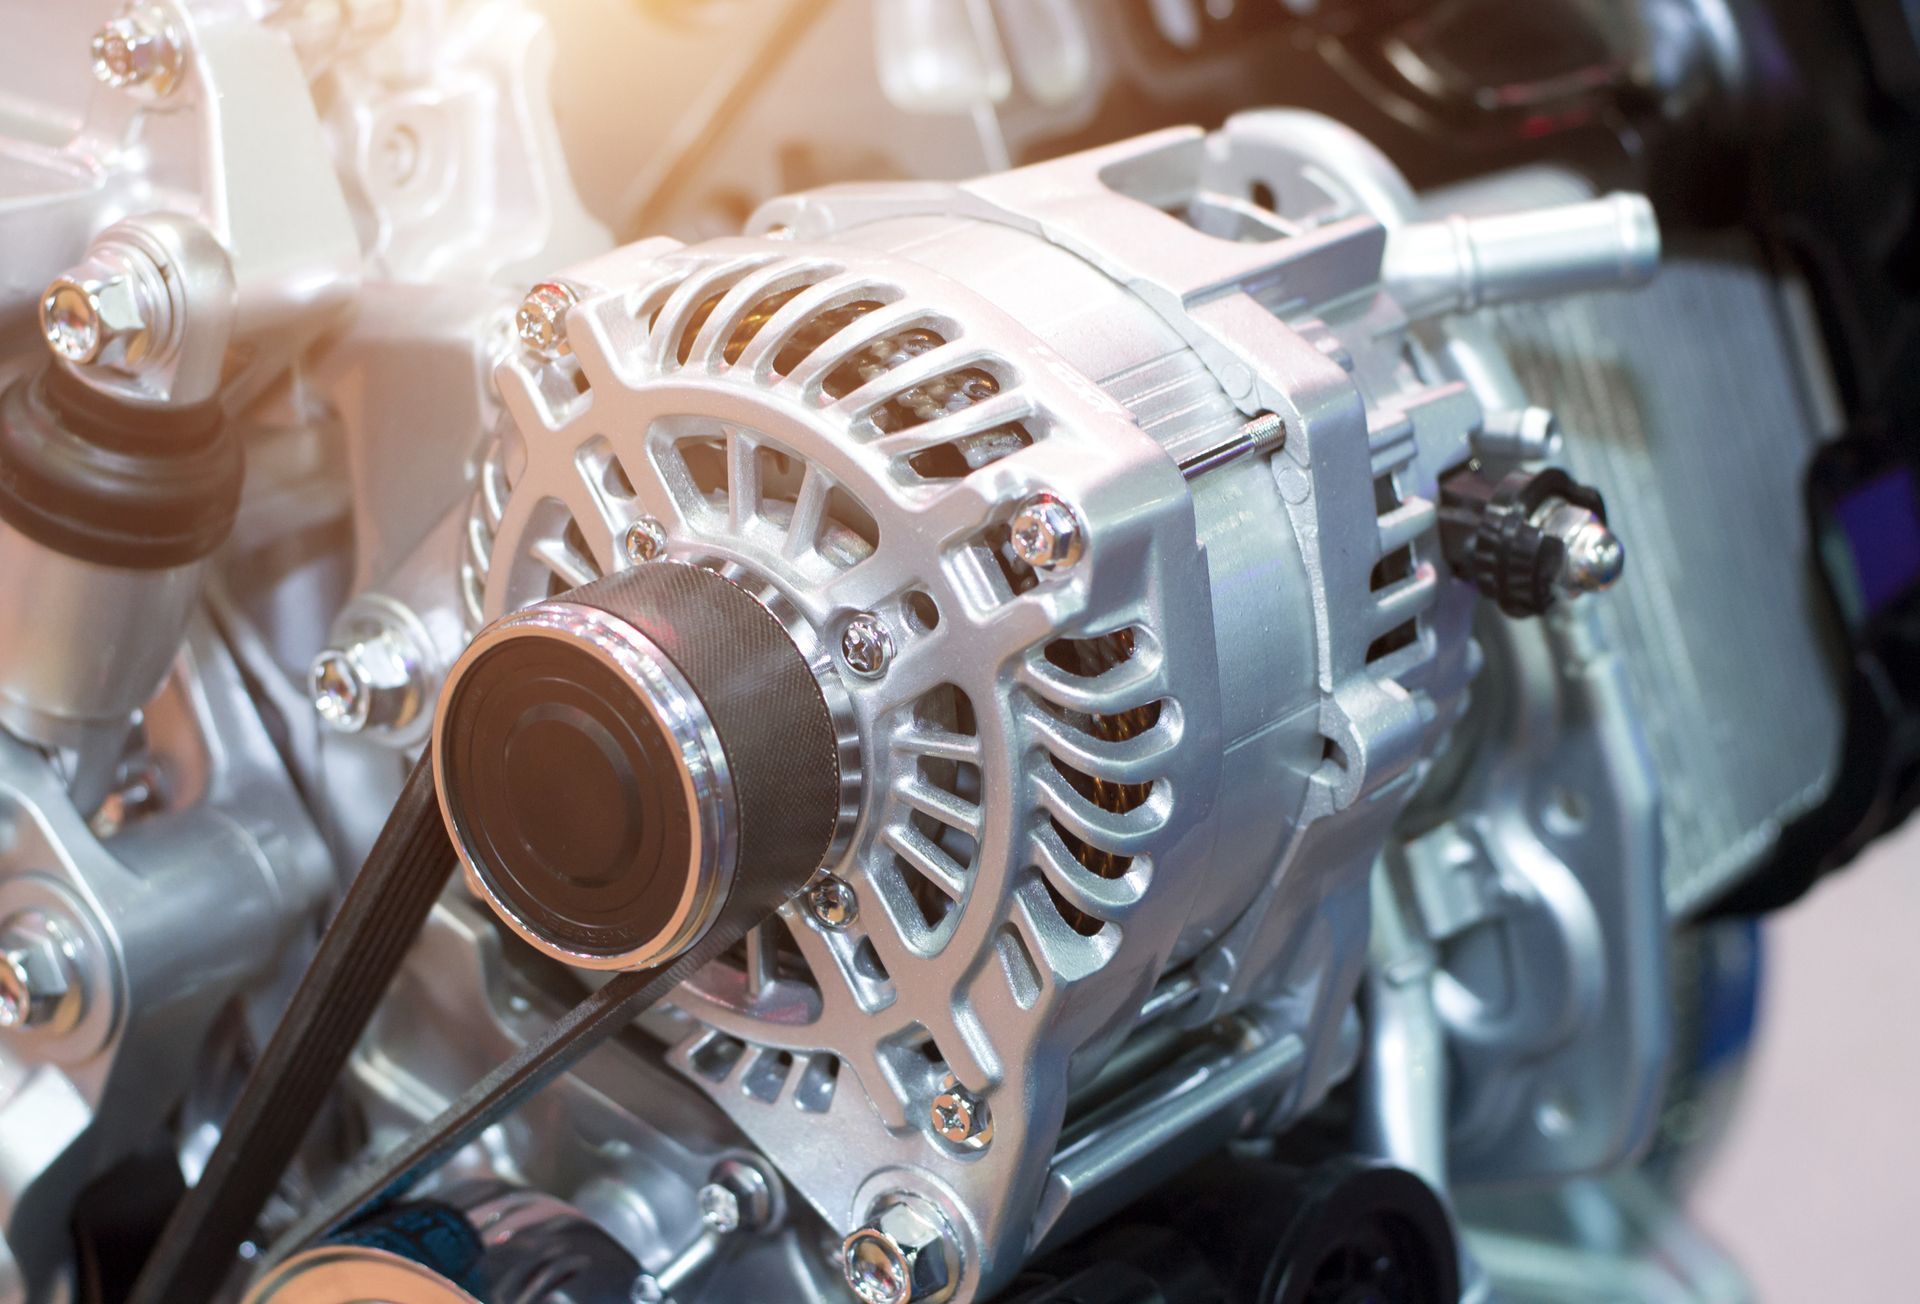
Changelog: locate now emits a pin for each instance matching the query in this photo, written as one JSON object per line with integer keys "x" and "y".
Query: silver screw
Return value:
{"x": 960, "y": 1116}
{"x": 867, "y": 646}
{"x": 1595, "y": 557}
{"x": 903, "y": 1255}
{"x": 139, "y": 51}
{"x": 541, "y": 322}
{"x": 41, "y": 985}
{"x": 1046, "y": 533}
{"x": 109, "y": 311}
{"x": 833, "y": 902}
{"x": 645, "y": 540}
{"x": 374, "y": 682}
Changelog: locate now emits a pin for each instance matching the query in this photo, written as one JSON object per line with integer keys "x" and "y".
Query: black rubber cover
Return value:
{"x": 567, "y": 796}
{"x": 1488, "y": 534}
{"x": 112, "y": 483}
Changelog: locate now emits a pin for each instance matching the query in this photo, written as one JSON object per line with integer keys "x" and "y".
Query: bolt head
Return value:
{"x": 961, "y": 1117}
{"x": 904, "y": 1255}
{"x": 373, "y": 682}
{"x": 720, "y": 1208}
{"x": 833, "y": 902}
{"x": 645, "y": 540}
{"x": 1046, "y": 533}
{"x": 138, "y": 51}
{"x": 867, "y": 646}
{"x": 339, "y": 695}
{"x": 97, "y": 313}
{"x": 541, "y": 322}
{"x": 40, "y": 978}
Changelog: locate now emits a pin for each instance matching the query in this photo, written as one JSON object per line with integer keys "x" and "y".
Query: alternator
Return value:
{"x": 1100, "y": 496}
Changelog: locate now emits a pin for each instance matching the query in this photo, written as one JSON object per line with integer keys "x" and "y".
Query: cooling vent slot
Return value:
{"x": 1089, "y": 659}
{"x": 1105, "y": 722}
{"x": 934, "y": 843}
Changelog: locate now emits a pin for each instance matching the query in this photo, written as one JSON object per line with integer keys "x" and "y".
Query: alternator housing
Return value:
{"x": 1152, "y": 776}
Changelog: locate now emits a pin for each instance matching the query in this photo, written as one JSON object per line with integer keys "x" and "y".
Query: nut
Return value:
{"x": 139, "y": 51}
{"x": 1046, "y": 533}
{"x": 541, "y": 322}
{"x": 41, "y": 984}
{"x": 904, "y": 1255}
{"x": 110, "y": 311}
{"x": 373, "y": 682}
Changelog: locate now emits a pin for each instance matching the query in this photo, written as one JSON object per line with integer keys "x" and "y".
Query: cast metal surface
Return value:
{"x": 1097, "y": 497}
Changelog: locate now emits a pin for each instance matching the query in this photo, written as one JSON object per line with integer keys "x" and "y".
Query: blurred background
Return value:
{"x": 1815, "y": 1187}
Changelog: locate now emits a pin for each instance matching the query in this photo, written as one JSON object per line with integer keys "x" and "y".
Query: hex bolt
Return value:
{"x": 833, "y": 902}
{"x": 139, "y": 51}
{"x": 903, "y": 1255}
{"x": 866, "y": 645}
{"x": 961, "y": 1117}
{"x": 644, "y": 540}
{"x": 110, "y": 311}
{"x": 541, "y": 322}
{"x": 41, "y": 983}
{"x": 1046, "y": 533}
{"x": 737, "y": 1197}
{"x": 375, "y": 682}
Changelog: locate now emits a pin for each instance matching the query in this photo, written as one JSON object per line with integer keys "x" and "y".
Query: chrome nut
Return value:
{"x": 1046, "y": 533}
{"x": 110, "y": 311}
{"x": 541, "y": 322}
{"x": 139, "y": 51}
{"x": 904, "y": 1255}
{"x": 372, "y": 683}
{"x": 41, "y": 983}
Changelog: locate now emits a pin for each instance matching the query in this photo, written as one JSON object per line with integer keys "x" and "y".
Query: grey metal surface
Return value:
{"x": 1289, "y": 736}
{"x": 176, "y": 912}
{"x": 1702, "y": 455}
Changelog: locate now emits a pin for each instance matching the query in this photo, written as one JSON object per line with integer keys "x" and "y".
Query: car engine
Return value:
{"x": 811, "y": 650}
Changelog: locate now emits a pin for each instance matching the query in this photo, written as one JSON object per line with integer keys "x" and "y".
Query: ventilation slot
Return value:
{"x": 1089, "y": 659}
{"x": 1394, "y": 568}
{"x": 1400, "y": 636}
{"x": 695, "y": 320}
{"x": 933, "y": 855}
{"x": 750, "y": 323}
{"x": 814, "y": 1093}
{"x": 961, "y": 457}
{"x": 705, "y": 459}
{"x": 574, "y": 564}
{"x": 878, "y": 358}
{"x": 1016, "y": 574}
{"x": 818, "y": 331}
{"x": 715, "y": 1057}
{"x": 766, "y": 1077}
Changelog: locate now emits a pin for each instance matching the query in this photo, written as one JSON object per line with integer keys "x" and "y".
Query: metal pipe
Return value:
{"x": 1459, "y": 263}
